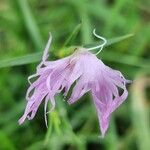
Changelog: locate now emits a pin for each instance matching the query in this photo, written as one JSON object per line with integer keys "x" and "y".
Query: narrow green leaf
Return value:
{"x": 111, "y": 41}
{"x": 73, "y": 35}
{"x": 118, "y": 39}
{"x": 125, "y": 59}
{"x": 35, "y": 57}
{"x": 26, "y": 59}
{"x": 30, "y": 23}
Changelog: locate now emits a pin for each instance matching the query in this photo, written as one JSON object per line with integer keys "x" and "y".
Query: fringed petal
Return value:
{"x": 106, "y": 97}
{"x": 103, "y": 115}
{"x": 88, "y": 73}
{"x": 78, "y": 91}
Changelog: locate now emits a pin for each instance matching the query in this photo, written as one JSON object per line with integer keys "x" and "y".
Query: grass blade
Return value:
{"x": 35, "y": 57}
{"x": 111, "y": 41}
{"x": 73, "y": 35}
{"x": 30, "y": 23}
{"x": 17, "y": 61}
{"x": 125, "y": 59}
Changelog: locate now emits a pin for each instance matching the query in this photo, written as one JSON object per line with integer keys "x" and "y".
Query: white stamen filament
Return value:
{"x": 99, "y": 46}
{"x": 45, "y": 55}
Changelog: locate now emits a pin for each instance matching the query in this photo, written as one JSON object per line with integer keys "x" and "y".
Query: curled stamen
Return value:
{"x": 99, "y": 46}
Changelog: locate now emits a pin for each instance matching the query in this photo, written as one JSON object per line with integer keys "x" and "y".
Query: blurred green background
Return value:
{"x": 24, "y": 28}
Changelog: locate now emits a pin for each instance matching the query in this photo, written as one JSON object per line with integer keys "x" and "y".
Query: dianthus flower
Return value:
{"x": 88, "y": 73}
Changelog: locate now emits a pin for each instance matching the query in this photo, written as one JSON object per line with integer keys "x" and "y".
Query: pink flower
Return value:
{"x": 87, "y": 72}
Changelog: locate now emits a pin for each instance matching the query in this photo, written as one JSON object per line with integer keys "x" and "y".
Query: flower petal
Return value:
{"x": 78, "y": 91}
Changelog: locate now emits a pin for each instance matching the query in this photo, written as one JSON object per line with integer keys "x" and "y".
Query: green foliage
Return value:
{"x": 24, "y": 28}
{"x": 31, "y": 58}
